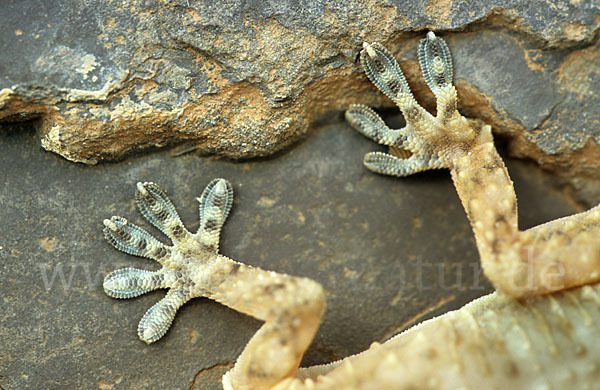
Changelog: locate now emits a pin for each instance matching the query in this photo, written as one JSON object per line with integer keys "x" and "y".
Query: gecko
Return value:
{"x": 496, "y": 341}
{"x": 547, "y": 341}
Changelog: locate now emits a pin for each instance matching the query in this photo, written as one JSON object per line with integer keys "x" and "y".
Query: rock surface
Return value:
{"x": 245, "y": 79}
{"x": 388, "y": 251}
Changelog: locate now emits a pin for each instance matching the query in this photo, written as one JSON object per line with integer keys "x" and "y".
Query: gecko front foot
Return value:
{"x": 554, "y": 256}
{"x": 427, "y": 141}
{"x": 192, "y": 267}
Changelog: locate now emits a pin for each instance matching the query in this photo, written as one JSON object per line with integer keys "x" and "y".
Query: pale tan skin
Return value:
{"x": 495, "y": 342}
{"x": 552, "y": 341}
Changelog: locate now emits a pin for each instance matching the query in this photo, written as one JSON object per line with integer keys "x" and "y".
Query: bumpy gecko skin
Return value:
{"x": 495, "y": 342}
{"x": 560, "y": 254}
{"x": 192, "y": 267}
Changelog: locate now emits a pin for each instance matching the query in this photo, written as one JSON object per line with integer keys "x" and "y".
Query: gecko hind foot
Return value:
{"x": 291, "y": 307}
{"x": 177, "y": 260}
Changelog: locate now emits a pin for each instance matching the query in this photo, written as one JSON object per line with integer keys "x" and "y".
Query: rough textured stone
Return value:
{"x": 388, "y": 251}
{"x": 245, "y": 79}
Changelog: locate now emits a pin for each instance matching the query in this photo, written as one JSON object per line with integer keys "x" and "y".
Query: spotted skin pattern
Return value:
{"x": 557, "y": 255}
{"x": 495, "y": 342}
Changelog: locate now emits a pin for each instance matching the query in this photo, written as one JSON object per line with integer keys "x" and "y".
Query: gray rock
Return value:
{"x": 388, "y": 251}
{"x": 245, "y": 79}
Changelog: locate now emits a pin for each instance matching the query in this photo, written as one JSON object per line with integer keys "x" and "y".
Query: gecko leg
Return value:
{"x": 291, "y": 307}
{"x": 557, "y": 255}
